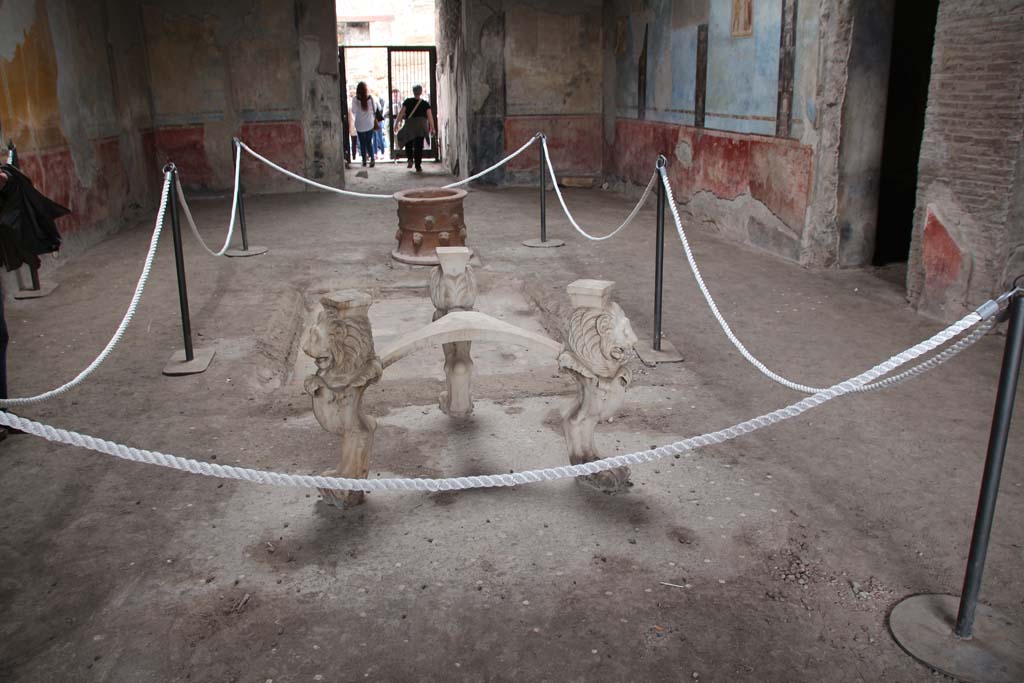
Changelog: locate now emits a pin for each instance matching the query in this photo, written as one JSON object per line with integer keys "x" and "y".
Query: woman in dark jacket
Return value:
{"x": 419, "y": 123}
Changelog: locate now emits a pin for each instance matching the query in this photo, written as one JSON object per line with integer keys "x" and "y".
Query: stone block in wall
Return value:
{"x": 775, "y": 174}
{"x": 722, "y": 164}
{"x": 772, "y": 239}
{"x": 780, "y": 176}
{"x": 946, "y": 265}
{"x": 574, "y": 142}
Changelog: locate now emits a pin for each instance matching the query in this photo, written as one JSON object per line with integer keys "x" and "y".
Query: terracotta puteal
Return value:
{"x": 428, "y": 218}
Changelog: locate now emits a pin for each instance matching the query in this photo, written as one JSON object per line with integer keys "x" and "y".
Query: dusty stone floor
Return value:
{"x": 786, "y": 549}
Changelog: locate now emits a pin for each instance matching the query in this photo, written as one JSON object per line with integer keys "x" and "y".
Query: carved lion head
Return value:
{"x": 601, "y": 338}
{"x": 342, "y": 347}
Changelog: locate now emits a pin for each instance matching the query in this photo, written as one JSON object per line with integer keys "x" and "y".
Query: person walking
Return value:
{"x": 378, "y": 133}
{"x": 419, "y": 123}
{"x": 353, "y": 140}
{"x": 362, "y": 113}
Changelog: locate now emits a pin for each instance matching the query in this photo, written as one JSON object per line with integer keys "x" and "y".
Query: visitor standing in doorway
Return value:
{"x": 362, "y": 113}
{"x": 378, "y": 133}
{"x": 353, "y": 140}
{"x": 419, "y": 123}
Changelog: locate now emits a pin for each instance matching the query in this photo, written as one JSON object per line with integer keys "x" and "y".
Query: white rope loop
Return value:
{"x": 313, "y": 183}
{"x": 761, "y": 367}
{"x": 565, "y": 209}
{"x": 125, "y": 321}
{"x": 234, "y": 210}
{"x": 458, "y": 483}
{"x": 501, "y": 163}
{"x": 368, "y": 195}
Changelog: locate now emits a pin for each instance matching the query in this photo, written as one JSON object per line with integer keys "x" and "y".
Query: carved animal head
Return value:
{"x": 600, "y": 338}
{"x": 342, "y": 348}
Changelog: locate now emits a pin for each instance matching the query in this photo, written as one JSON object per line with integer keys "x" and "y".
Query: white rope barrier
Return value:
{"x": 667, "y": 188}
{"x": 234, "y": 212}
{"x": 125, "y": 321}
{"x": 369, "y": 195}
{"x": 685, "y": 446}
{"x": 501, "y": 163}
{"x": 312, "y": 183}
{"x": 933, "y": 362}
{"x": 565, "y": 209}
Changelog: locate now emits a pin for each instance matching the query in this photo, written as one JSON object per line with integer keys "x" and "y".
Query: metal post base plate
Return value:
{"x": 536, "y": 243}
{"x": 44, "y": 290}
{"x": 667, "y": 354}
{"x": 251, "y": 251}
{"x": 177, "y": 365}
{"x": 923, "y": 627}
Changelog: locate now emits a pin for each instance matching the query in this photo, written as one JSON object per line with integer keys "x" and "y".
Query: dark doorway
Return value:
{"x": 909, "y": 75}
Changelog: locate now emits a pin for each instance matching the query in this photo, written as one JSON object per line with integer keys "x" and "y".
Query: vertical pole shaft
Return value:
{"x": 543, "y": 193}
{"x": 33, "y": 273}
{"x": 235, "y": 151}
{"x": 179, "y": 264}
{"x": 1008, "y": 376}
{"x": 659, "y": 264}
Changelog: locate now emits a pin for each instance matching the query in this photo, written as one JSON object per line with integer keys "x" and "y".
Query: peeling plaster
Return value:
{"x": 16, "y": 18}
{"x": 684, "y": 153}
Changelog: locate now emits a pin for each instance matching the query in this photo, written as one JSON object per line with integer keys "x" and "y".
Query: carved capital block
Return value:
{"x": 341, "y": 343}
{"x": 453, "y": 287}
{"x": 598, "y": 340}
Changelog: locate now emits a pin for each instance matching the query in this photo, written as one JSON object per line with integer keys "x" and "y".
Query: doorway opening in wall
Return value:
{"x": 390, "y": 72}
{"x": 909, "y": 75}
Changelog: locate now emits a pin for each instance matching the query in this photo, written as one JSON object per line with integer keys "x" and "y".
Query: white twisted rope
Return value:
{"x": 547, "y": 474}
{"x": 313, "y": 183}
{"x": 234, "y": 212}
{"x": 501, "y": 163}
{"x": 565, "y": 209}
{"x": 125, "y": 321}
{"x": 934, "y": 361}
{"x": 775, "y": 377}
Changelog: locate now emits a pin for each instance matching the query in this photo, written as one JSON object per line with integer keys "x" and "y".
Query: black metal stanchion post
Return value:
{"x": 659, "y": 350}
{"x": 188, "y": 361}
{"x": 35, "y": 290}
{"x": 543, "y": 181}
{"x": 961, "y": 638}
{"x": 246, "y": 250}
{"x": 659, "y": 265}
{"x": 1008, "y": 376}
{"x": 543, "y": 193}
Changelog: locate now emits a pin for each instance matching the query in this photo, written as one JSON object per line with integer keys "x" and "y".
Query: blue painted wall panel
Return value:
{"x": 743, "y": 72}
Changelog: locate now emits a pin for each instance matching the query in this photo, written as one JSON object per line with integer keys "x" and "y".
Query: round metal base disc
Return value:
{"x": 538, "y": 244}
{"x": 251, "y": 251}
{"x": 44, "y": 290}
{"x": 923, "y": 627}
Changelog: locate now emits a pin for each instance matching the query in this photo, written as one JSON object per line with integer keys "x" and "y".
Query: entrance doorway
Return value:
{"x": 909, "y": 76}
{"x": 391, "y": 71}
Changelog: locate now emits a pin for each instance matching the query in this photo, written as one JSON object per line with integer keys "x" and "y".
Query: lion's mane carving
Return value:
{"x": 597, "y": 343}
{"x": 342, "y": 347}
